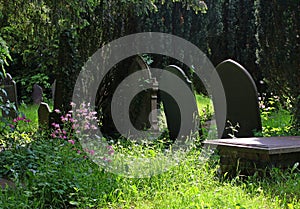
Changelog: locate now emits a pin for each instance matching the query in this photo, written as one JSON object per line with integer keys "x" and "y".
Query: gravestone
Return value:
{"x": 53, "y": 86}
{"x": 37, "y": 94}
{"x": 57, "y": 90}
{"x": 43, "y": 115}
{"x": 176, "y": 117}
{"x": 9, "y": 85}
{"x": 241, "y": 99}
{"x": 142, "y": 104}
{"x": 141, "y": 112}
{"x": 154, "y": 105}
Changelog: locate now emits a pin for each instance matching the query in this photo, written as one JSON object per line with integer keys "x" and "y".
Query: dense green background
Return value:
{"x": 49, "y": 38}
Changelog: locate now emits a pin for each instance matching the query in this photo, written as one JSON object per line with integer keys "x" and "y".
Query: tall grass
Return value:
{"x": 61, "y": 178}
{"x": 49, "y": 173}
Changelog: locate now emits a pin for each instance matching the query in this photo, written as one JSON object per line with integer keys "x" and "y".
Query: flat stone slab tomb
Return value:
{"x": 247, "y": 155}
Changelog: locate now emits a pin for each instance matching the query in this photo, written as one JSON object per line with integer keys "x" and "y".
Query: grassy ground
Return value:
{"x": 204, "y": 105}
{"x": 51, "y": 173}
{"x": 57, "y": 177}
{"x": 31, "y": 112}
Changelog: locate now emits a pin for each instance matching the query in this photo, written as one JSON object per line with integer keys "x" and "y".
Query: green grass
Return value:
{"x": 50, "y": 173}
{"x": 31, "y": 112}
{"x": 204, "y": 104}
{"x": 56, "y": 176}
{"x": 276, "y": 122}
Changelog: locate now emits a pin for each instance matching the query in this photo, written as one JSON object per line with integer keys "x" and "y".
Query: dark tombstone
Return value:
{"x": 241, "y": 99}
{"x": 53, "y": 89}
{"x": 43, "y": 115}
{"x": 57, "y": 89}
{"x": 176, "y": 117}
{"x": 154, "y": 104}
{"x": 9, "y": 85}
{"x": 37, "y": 94}
{"x": 141, "y": 112}
{"x": 141, "y": 107}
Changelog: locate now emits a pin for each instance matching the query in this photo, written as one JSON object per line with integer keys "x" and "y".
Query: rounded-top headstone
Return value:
{"x": 176, "y": 116}
{"x": 37, "y": 94}
{"x": 241, "y": 98}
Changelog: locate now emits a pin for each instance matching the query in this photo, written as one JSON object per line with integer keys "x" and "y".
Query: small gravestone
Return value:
{"x": 53, "y": 89}
{"x": 9, "y": 85}
{"x": 176, "y": 117}
{"x": 43, "y": 115}
{"x": 154, "y": 102}
{"x": 37, "y": 94}
{"x": 241, "y": 99}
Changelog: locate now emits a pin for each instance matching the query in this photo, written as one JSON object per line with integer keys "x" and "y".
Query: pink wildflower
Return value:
{"x": 74, "y": 126}
{"x": 55, "y": 125}
{"x": 92, "y": 152}
{"x": 110, "y": 150}
{"x": 93, "y": 127}
{"x": 73, "y": 104}
{"x": 71, "y": 141}
{"x": 86, "y": 126}
{"x": 63, "y": 119}
{"x": 57, "y": 111}
{"x": 106, "y": 159}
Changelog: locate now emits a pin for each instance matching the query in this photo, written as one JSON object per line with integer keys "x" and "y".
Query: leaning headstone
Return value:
{"x": 9, "y": 85}
{"x": 141, "y": 112}
{"x": 141, "y": 107}
{"x": 43, "y": 115}
{"x": 37, "y": 94}
{"x": 179, "y": 114}
{"x": 241, "y": 99}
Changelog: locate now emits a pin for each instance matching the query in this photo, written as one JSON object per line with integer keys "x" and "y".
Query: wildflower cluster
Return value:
{"x": 17, "y": 133}
{"x": 71, "y": 129}
{"x": 110, "y": 152}
{"x": 69, "y": 126}
{"x": 16, "y": 121}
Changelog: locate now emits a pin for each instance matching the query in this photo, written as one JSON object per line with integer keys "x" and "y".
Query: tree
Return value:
{"x": 279, "y": 49}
